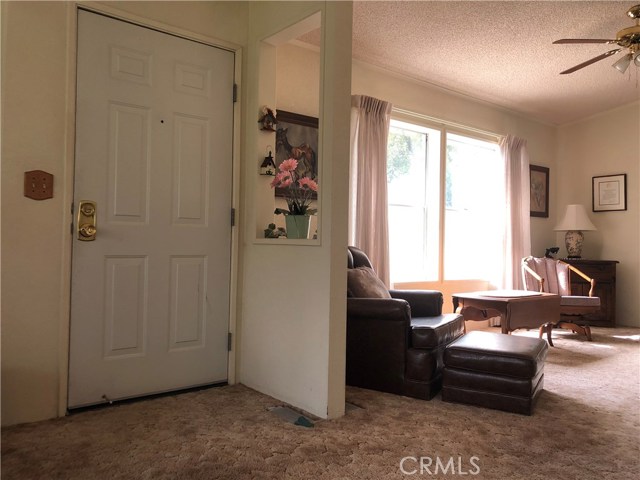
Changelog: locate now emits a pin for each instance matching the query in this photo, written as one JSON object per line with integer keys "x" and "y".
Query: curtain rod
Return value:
{"x": 446, "y": 123}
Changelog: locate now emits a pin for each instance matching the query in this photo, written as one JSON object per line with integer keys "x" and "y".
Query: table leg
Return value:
{"x": 548, "y": 327}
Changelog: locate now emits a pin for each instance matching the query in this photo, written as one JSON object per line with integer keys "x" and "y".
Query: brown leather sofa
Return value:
{"x": 396, "y": 344}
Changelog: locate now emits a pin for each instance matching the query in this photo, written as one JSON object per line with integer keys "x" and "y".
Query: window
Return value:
{"x": 413, "y": 168}
{"x": 469, "y": 198}
{"x": 474, "y": 210}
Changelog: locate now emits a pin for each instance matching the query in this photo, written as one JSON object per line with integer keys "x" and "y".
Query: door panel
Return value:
{"x": 150, "y": 296}
{"x": 125, "y": 314}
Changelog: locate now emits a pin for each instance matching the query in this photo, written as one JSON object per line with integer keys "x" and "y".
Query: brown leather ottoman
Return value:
{"x": 494, "y": 370}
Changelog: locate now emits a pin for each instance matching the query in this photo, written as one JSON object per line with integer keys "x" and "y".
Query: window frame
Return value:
{"x": 444, "y": 129}
{"x": 427, "y": 211}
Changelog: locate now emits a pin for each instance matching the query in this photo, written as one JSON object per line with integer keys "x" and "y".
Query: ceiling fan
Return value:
{"x": 627, "y": 38}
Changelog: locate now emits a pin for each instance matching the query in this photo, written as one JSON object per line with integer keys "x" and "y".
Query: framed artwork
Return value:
{"x": 609, "y": 193}
{"x": 539, "y": 191}
{"x": 297, "y": 137}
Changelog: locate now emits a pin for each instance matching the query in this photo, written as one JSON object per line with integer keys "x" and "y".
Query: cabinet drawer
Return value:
{"x": 601, "y": 271}
{"x": 604, "y": 273}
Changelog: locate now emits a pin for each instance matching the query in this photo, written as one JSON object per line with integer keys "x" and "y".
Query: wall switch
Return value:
{"x": 38, "y": 185}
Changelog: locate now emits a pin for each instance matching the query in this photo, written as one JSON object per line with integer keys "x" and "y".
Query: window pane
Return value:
{"x": 406, "y": 169}
{"x": 413, "y": 184}
{"x": 407, "y": 243}
{"x": 475, "y": 209}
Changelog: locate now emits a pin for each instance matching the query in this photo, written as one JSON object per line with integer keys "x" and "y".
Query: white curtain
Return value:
{"x": 368, "y": 219}
{"x": 518, "y": 226}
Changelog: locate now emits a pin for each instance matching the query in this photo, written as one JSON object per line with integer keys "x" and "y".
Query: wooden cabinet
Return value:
{"x": 604, "y": 273}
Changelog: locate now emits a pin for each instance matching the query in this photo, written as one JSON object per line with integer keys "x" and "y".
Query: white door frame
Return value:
{"x": 68, "y": 180}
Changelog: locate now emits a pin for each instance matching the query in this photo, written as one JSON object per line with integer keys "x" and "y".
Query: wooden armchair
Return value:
{"x": 554, "y": 276}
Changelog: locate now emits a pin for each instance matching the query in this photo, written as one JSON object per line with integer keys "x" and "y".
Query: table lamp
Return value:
{"x": 574, "y": 221}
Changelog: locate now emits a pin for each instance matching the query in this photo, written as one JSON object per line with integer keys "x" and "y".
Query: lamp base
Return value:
{"x": 573, "y": 240}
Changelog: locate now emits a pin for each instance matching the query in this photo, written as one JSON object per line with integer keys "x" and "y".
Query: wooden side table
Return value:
{"x": 604, "y": 273}
{"x": 517, "y": 308}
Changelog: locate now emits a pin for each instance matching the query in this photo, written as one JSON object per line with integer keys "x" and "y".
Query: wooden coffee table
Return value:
{"x": 516, "y": 309}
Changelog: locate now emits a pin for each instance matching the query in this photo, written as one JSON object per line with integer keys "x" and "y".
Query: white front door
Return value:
{"x": 150, "y": 295}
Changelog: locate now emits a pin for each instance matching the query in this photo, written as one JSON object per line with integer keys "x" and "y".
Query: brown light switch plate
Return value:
{"x": 38, "y": 185}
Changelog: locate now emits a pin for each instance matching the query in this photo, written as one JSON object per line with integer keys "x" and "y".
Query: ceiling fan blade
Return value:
{"x": 593, "y": 60}
{"x": 584, "y": 40}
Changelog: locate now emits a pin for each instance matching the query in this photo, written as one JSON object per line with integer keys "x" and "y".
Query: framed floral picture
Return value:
{"x": 297, "y": 137}
{"x": 539, "y": 191}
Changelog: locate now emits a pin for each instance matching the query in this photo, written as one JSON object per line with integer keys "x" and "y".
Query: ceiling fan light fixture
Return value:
{"x": 627, "y": 38}
{"x": 622, "y": 64}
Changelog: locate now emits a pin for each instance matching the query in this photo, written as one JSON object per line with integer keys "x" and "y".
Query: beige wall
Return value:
{"x": 38, "y": 69}
{"x": 298, "y": 75}
{"x": 293, "y": 303}
{"x": 606, "y": 144}
{"x": 34, "y": 136}
{"x": 225, "y": 21}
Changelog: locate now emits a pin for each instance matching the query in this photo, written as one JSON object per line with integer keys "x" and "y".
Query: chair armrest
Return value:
{"x": 379, "y": 310}
{"x": 424, "y": 303}
{"x": 592, "y": 281}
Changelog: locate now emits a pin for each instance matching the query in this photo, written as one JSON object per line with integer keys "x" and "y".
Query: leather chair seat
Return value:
{"x": 494, "y": 370}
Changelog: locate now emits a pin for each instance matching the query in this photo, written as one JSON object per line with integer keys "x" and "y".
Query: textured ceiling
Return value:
{"x": 502, "y": 52}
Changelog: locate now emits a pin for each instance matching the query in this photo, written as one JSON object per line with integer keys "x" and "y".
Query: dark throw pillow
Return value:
{"x": 362, "y": 282}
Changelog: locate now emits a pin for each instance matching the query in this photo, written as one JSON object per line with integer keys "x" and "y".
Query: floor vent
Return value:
{"x": 292, "y": 416}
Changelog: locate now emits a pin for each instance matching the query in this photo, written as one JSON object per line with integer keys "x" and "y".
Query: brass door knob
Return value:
{"x": 88, "y": 230}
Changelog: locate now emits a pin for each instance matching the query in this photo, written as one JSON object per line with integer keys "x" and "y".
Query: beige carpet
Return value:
{"x": 586, "y": 426}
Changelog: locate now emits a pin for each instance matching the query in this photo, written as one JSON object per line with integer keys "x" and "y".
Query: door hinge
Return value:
{"x": 235, "y": 92}
{"x": 233, "y": 217}
{"x": 229, "y": 341}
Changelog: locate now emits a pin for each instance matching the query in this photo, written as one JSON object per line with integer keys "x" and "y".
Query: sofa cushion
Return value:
{"x": 362, "y": 282}
{"x": 431, "y": 332}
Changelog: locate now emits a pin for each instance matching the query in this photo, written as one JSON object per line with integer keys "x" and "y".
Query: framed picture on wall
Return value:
{"x": 297, "y": 137}
{"x": 609, "y": 193}
{"x": 539, "y": 191}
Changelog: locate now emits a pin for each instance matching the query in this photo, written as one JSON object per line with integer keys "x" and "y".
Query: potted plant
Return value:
{"x": 300, "y": 190}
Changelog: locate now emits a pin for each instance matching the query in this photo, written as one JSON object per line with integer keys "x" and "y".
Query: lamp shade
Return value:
{"x": 622, "y": 64}
{"x": 575, "y": 218}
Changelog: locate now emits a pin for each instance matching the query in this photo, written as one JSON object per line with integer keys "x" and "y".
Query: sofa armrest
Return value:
{"x": 379, "y": 309}
{"x": 424, "y": 303}
{"x": 378, "y": 332}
